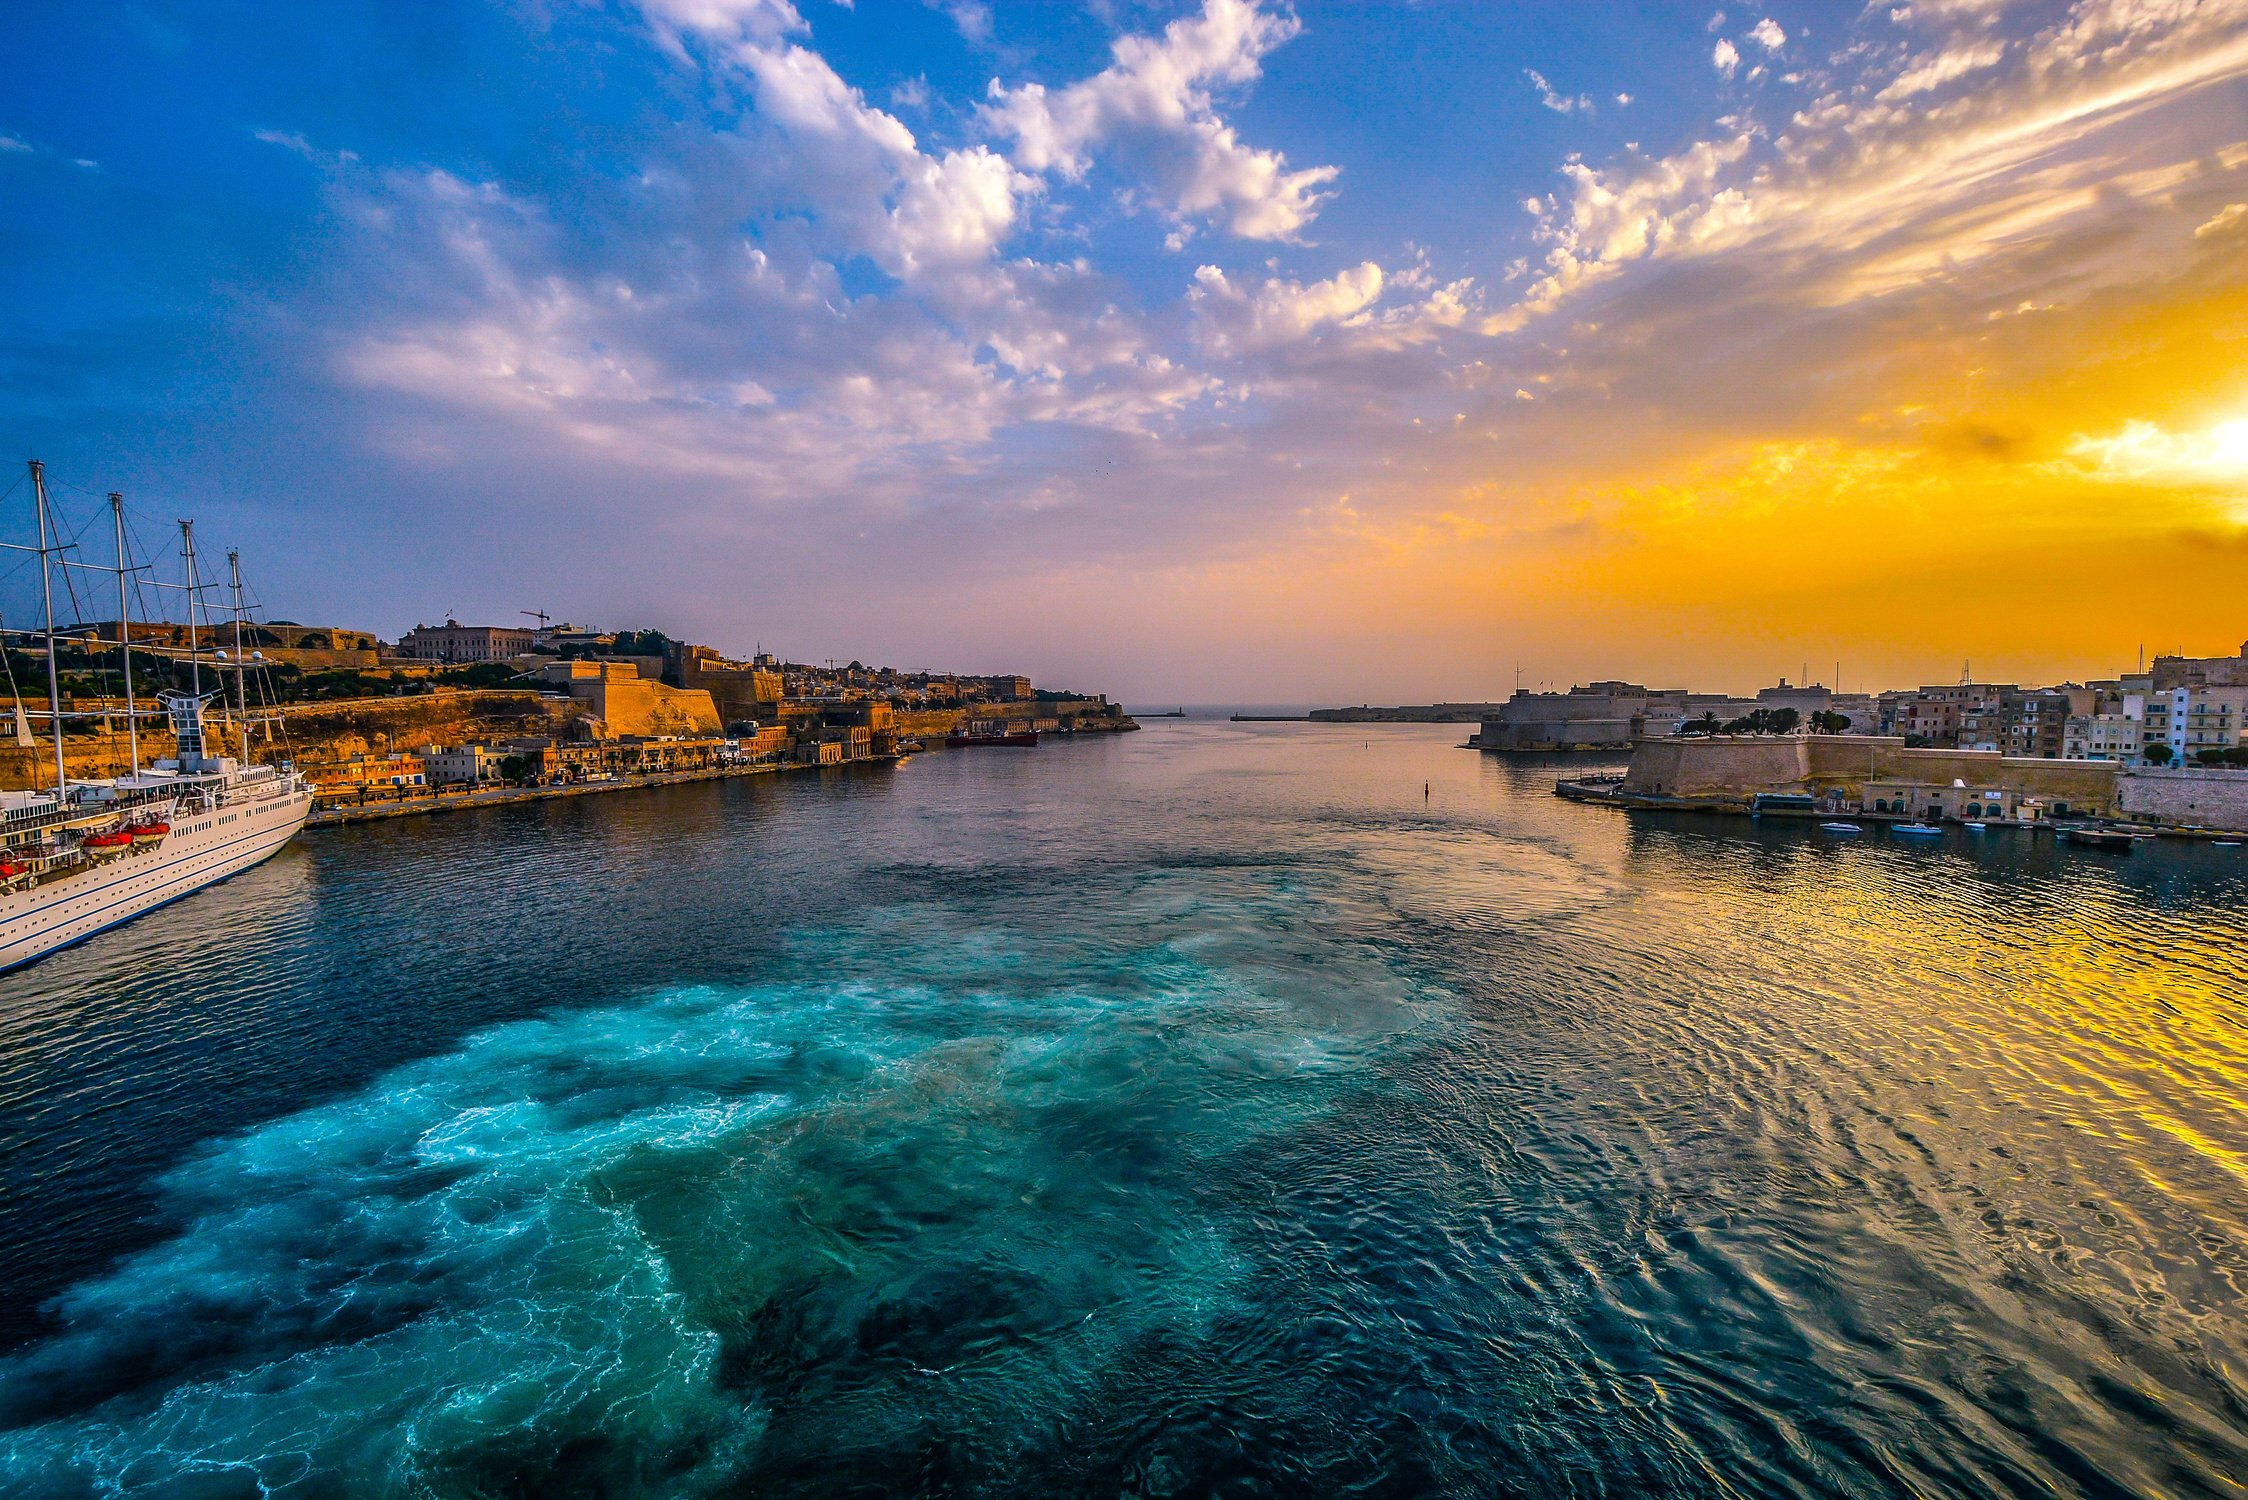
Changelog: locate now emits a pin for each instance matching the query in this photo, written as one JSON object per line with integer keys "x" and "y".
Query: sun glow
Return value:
{"x": 2216, "y": 455}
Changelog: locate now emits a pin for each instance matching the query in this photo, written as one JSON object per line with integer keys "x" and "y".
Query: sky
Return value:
{"x": 1230, "y": 349}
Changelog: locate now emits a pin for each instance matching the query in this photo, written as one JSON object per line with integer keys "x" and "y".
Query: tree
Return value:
{"x": 2158, "y": 755}
{"x": 1782, "y": 720}
{"x": 1706, "y": 724}
{"x": 1826, "y": 721}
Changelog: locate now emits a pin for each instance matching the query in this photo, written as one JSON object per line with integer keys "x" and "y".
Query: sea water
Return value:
{"x": 1205, "y": 1109}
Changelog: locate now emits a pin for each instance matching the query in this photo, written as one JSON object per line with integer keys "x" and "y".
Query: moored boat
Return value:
{"x": 1917, "y": 830}
{"x": 2119, "y": 840}
{"x": 1020, "y": 739}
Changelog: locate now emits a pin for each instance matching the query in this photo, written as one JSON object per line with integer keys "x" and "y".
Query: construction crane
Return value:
{"x": 539, "y": 615}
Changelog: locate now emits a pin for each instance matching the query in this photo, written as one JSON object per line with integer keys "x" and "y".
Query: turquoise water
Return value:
{"x": 1205, "y": 1109}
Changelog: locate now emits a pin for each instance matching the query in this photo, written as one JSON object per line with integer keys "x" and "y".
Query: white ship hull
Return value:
{"x": 202, "y": 847}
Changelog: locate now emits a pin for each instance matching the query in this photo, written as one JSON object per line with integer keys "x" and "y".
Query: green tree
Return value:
{"x": 2158, "y": 755}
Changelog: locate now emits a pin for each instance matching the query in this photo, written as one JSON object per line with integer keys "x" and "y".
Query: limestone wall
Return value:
{"x": 1717, "y": 766}
{"x": 1740, "y": 766}
{"x": 1847, "y": 762}
{"x": 2185, "y": 798}
{"x": 640, "y": 705}
{"x": 312, "y": 732}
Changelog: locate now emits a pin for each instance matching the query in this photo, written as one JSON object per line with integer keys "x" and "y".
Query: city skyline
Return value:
{"x": 1185, "y": 351}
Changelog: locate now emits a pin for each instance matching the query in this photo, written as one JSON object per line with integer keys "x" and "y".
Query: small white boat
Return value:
{"x": 1916, "y": 830}
{"x": 2224, "y": 843}
{"x": 1844, "y": 828}
{"x": 1978, "y": 827}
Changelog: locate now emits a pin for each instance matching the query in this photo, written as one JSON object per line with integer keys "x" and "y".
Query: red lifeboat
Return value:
{"x": 107, "y": 845}
{"x": 147, "y": 834}
{"x": 12, "y": 871}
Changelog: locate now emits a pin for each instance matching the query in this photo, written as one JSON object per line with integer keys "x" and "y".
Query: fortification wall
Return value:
{"x": 1847, "y": 762}
{"x": 1740, "y": 766}
{"x": 2185, "y": 798}
{"x": 1717, "y": 766}
{"x": 640, "y": 705}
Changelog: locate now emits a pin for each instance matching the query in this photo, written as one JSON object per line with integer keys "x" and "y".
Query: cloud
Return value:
{"x": 1725, "y": 56}
{"x": 1933, "y": 70}
{"x": 1280, "y": 311}
{"x": 13, "y": 143}
{"x": 1559, "y": 103}
{"x": 971, "y": 18}
{"x": 1768, "y": 35}
{"x": 721, "y": 20}
{"x": 2143, "y": 452}
{"x": 1864, "y": 190}
{"x": 2226, "y": 218}
{"x": 1153, "y": 108}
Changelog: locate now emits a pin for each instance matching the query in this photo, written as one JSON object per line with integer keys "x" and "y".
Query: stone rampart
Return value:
{"x": 2185, "y": 798}
{"x": 1739, "y": 766}
{"x": 1721, "y": 765}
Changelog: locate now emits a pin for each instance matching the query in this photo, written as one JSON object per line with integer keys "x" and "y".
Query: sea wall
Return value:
{"x": 2185, "y": 798}
{"x": 1718, "y": 766}
{"x": 1739, "y": 766}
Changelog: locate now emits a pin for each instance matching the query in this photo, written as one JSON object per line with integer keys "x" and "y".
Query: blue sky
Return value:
{"x": 1226, "y": 347}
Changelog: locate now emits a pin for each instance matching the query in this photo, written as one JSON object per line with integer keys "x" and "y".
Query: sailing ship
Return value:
{"x": 88, "y": 854}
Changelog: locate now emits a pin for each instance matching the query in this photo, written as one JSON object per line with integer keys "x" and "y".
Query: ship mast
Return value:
{"x": 194, "y": 651}
{"x": 47, "y": 600}
{"x": 125, "y": 630}
{"x": 241, "y": 669}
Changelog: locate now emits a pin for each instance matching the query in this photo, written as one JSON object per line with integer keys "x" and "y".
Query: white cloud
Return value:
{"x": 1725, "y": 56}
{"x": 2223, "y": 219}
{"x": 1768, "y": 35}
{"x": 953, "y": 211}
{"x": 1867, "y": 189}
{"x": 1280, "y": 311}
{"x": 1935, "y": 69}
{"x": 12, "y": 143}
{"x": 971, "y": 18}
{"x": 1559, "y": 103}
{"x": 722, "y": 20}
{"x": 1153, "y": 105}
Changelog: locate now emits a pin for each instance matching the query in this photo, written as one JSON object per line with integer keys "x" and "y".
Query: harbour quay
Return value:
{"x": 1880, "y": 778}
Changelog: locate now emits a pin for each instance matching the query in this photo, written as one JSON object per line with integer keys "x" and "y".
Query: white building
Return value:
{"x": 461, "y": 765}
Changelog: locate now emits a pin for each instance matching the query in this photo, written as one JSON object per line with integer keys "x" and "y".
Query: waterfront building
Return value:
{"x": 2111, "y": 735}
{"x": 399, "y": 768}
{"x": 1609, "y": 715}
{"x": 462, "y": 765}
{"x": 2201, "y": 718}
{"x": 1932, "y": 715}
{"x": 1933, "y": 802}
{"x": 455, "y": 644}
{"x": 2200, "y": 671}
